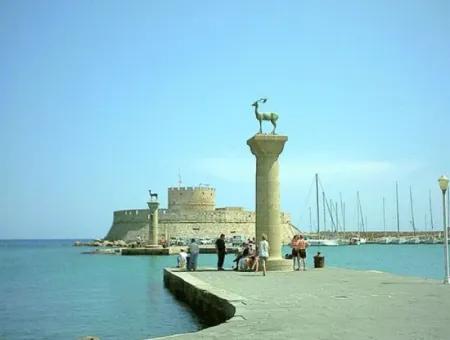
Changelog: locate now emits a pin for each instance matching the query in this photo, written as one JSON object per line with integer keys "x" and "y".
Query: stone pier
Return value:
{"x": 327, "y": 303}
{"x": 153, "y": 223}
{"x": 267, "y": 149}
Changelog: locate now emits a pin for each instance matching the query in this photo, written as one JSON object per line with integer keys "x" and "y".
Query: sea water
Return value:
{"x": 419, "y": 260}
{"x": 49, "y": 290}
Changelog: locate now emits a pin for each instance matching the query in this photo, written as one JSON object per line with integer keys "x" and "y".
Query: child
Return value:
{"x": 181, "y": 259}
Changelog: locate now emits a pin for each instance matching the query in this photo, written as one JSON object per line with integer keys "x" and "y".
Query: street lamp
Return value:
{"x": 443, "y": 183}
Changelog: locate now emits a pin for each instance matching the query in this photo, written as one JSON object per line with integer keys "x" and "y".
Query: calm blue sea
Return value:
{"x": 49, "y": 290}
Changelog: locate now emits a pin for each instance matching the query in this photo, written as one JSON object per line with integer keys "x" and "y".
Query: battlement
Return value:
{"x": 137, "y": 215}
{"x": 204, "y": 188}
{"x": 230, "y": 209}
{"x": 130, "y": 212}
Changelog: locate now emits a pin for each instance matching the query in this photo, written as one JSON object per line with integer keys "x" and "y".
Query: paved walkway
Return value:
{"x": 327, "y": 304}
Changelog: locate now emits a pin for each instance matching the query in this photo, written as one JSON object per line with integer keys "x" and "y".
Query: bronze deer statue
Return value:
{"x": 153, "y": 196}
{"x": 260, "y": 116}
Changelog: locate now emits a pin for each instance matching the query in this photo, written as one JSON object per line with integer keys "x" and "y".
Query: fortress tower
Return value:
{"x": 191, "y": 198}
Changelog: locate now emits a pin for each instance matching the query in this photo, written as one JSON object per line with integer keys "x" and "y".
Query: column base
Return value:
{"x": 278, "y": 265}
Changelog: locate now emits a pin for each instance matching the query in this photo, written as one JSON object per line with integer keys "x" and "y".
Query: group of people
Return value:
{"x": 248, "y": 259}
{"x": 250, "y": 256}
{"x": 299, "y": 245}
{"x": 188, "y": 260}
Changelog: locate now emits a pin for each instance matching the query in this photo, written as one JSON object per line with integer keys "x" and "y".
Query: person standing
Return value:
{"x": 295, "y": 256}
{"x": 253, "y": 257}
{"x": 194, "y": 251}
{"x": 221, "y": 251}
{"x": 302, "y": 245}
{"x": 263, "y": 251}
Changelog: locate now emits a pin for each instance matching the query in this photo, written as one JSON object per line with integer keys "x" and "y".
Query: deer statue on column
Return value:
{"x": 269, "y": 116}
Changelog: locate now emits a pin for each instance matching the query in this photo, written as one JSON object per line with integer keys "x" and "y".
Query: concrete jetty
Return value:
{"x": 327, "y": 303}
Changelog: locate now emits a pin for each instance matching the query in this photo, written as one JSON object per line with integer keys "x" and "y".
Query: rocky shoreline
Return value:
{"x": 133, "y": 248}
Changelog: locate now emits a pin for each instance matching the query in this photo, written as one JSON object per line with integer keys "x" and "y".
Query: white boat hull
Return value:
{"x": 384, "y": 240}
{"x": 398, "y": 240}
{"x": 322, "y": 242}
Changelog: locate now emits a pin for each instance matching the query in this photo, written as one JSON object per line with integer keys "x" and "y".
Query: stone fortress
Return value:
{"x": 191, "y": 213}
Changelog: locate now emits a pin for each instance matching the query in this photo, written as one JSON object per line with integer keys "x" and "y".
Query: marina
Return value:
{"x": 325, "y": 240}
{"x": 382, "y": 238}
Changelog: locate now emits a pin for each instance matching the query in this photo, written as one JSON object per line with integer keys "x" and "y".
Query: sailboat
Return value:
{"x": 357, "y": 240}
{"x": 398, "y": 239}
{"x": 431, "y": 239}
{"x": 319, "y": 241}
{"x": 385, "y": 239}
{"x": 414, "y": 239}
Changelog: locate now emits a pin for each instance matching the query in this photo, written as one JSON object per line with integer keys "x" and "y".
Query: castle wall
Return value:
{"x": 128, "y": 224}
{"x": 131, "y": 215}
{"x": 208, "y": 230}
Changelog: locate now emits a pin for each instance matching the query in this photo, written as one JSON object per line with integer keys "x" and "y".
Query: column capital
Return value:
{"x": 263, "y": 145}
{"x": 153, "y": 206}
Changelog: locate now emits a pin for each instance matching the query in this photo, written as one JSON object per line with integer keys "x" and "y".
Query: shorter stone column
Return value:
{"x": 153, "y": 223}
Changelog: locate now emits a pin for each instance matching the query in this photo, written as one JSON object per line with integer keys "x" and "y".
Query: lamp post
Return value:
{"x": 443, "y": 183}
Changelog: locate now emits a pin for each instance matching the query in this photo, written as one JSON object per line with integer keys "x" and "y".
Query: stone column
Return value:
{"x": 153, "y": 223}
{"x": 266, "y": 149}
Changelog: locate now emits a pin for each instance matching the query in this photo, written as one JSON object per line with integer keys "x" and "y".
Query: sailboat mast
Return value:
{"x": 337, "y": 218}
{"x": 362, "y": 215}
{"x": 384, "y": 216}
{"x": 342, "y": 212}
{"x": 310, "y": 220}
{"x": 330, "y": 208}
{"x": 358, "y": 212}
{"x": 324, "y": 203}
{"x": 317, "y": 205}
{"x": 343, "y": 216}
{"x": 330, "y": 211}
{"x": 398, "y": 216}
{"x": 412, "y": 211}
{"x": 431, "y": 213}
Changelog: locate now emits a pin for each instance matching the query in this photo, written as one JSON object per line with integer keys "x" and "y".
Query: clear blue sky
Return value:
{"x": 102, "y": 100}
